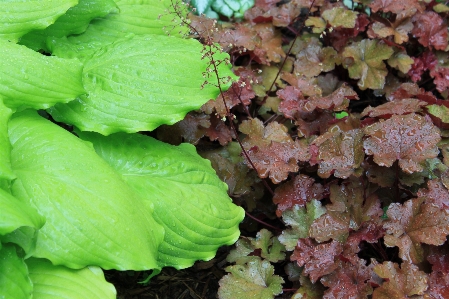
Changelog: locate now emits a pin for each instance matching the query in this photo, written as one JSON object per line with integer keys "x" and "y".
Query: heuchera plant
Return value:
{"x": 105, "y": 196}
{"x": 345, "y": 121}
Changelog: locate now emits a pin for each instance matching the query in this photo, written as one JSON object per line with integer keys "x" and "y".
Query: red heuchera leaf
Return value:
{"x": 370, "y": 232}
{"x": 303, "y": 84}
{"x": 272, "y": 150}
{"x": 348, "y": 211}
{"x": 430, "y": 30}
{"x": 336, "y": 101}
{"x": 242, "y": 36}
{"x": 267, "y": 11}
{"x": 349, "y": 281}
{"x": 412, "y": 90}
{"x": 339, "y": 153}
{"x": 426, "y": 61}
{"x": 436, "y": 194}
{"x": 401, "y": 282}
{"x": 395, "y": 6}
{"x": 399, "y": 107}
{"x": 411, "y": 139}
{"x": 340, "y": 36}
{"x": 218, "y": 130}
{"x": 270, "y": 48}
{"x": 439, "y": 278}
{"x": 192, "y": 128}
{"x": 240, "y": 92}
{"x": 317, "y": 259}
{"x": 316, "y": 122}
{"x": 413, "y": 223}
{"x": 298, "y": 191}
{"x": 314, "y": 59}
{"x": 292, "y": 100}
{"x": 441, "y": 78}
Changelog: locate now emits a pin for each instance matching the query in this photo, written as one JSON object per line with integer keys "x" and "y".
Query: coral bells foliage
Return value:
{"x": 341, "y": 115}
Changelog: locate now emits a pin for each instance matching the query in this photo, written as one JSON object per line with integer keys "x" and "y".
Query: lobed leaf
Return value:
{"x": 411, "y": 139}
{"x": 254, "y": 280}
{"x": 364, "y": 62}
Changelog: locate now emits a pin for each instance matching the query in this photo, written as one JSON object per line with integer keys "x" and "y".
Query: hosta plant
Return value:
{"x": 81, "y": 189}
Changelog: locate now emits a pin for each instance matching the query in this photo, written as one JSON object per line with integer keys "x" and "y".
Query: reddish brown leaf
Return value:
{"x": 270, "y": 47}
{"x": 340, "y": 36}
{"x": 430, "y": 30}
{"x": 400, "y": 282}
{"x": 292, "y": 101}
{"x": 439, "y": 278}
{"x": 339, "y": 153}
{"x": 298, "y": 191}
{"x": 317, "y": 259}
{"x": 426, "y": 61}
{"x": 272, "y": 150}
{"x": 314, "y": 59}
{"x": 413, "y": 223}
{"x": 370, "y": 232}
{"x": 399, "y": 107}
{"x": 305, "y": 85}
{"x": 240, "y": 92}
{"x": 314, "y": 123}
{"x": 190, "y": 129}
{"x": 411, "y": 139}
{"x": 382, "y": 176}
{"x": 348, "y": 211}
{"x": 336, "y": 101}
{"x": 436, "y": 193}
{"x": 218, "y": 130}
{"x": 349, "y": 281}
{"x": 441, "y": 78}
{"x": 242, "y": 36}
{"x": 267, "y": 10}
{"x": 395, "y": 6}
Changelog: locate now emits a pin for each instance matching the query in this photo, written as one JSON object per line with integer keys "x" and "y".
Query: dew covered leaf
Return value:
{"x": 439, "y": 277}
{"x": 401, "y": 282}
{"x": 31, "y": 80}
{"x": 280, "y": 15}
{"x": 441, "y": 78}
{"x": 436, "y": 193}
{"x": 318, "y": 259}
{"x": 401, "y": 61}
{"x": 272, "y": 150}
{"x": 410, "y": 139}
{"x": 348, "y": 211}
{"x": 253, "y": 280}
{"x": 413, "y": 223}
{"x": 19, "y": 17}
{"x": 299, "y": 218}
{"x": 340, "y": 16}
{"x": 349, "y": 281}
{"x": 14, "y": 280}
{"x": 314, "y": 59}
{"x": 297, "y": 192}
{"x": 128, "y": 90}
{"x": 339, "y": 153}
{"x": 395, "y": 6}
{"x": 364, "y": 61}
{"x": 338, "y": 100}
{"x": 270, "y": 247}
{"x": 397, "y": 107}
{"x": 431, "y": 30}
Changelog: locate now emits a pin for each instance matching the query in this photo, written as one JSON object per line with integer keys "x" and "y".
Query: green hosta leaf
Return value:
{"x": 74, "y": 21}
{"x": 300, "y": 219}
{"x": 189, "y": 200}
{"x": 14, "y": 280}
{"x": 364, "y": 61}
{"x": 30, "y": 79}
{"x": 339, "y": 16}
{"x": 254, "y": 280}
{"x": 15, "y": 214}
{"x": 140, "y": 83}
{"x": 51, "y": 282}
{"x": 5, "y": 146}
{"x": 93, "y": 217}
{"x": 139, "y": 17}
{"x": 440, "y": 111}
{"x": 18, "y": 17}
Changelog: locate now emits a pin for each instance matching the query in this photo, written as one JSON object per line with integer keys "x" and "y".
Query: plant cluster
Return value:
{"x": 335, "y": 139}
{"x": 80, "y": 189}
